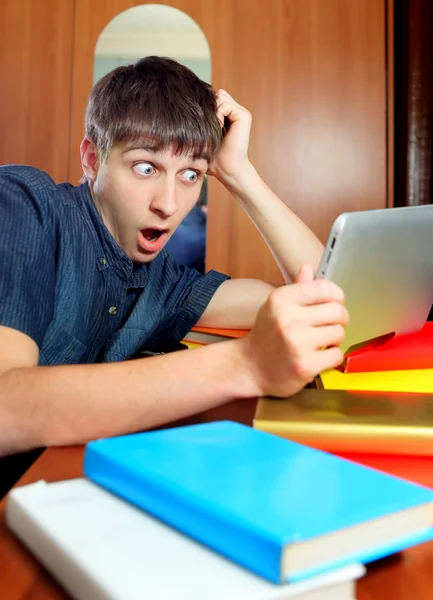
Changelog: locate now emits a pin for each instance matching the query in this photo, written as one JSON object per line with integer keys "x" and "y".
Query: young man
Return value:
{"x": 86, "y": 283}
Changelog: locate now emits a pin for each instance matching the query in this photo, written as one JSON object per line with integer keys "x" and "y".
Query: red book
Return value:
{"x": 397, "y": 353}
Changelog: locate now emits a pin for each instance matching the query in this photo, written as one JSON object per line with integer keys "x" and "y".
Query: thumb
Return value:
{"x": 306, "y": 274}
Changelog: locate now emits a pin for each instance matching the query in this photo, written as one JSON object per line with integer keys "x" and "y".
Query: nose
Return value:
{"x": 164, "y": 200}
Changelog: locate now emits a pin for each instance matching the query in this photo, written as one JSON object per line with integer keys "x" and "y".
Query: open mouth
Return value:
{"x": 152, "y": 235}
{"x": 152, "y": 240}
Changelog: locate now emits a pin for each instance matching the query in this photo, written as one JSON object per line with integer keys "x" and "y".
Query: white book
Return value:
{"x": 99, "y": 547}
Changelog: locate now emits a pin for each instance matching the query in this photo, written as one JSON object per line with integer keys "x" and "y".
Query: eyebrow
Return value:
{"x": 141, "y": 146}
{"x": 157, "y": 150}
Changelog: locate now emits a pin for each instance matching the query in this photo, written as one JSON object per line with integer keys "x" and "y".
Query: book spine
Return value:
{"x": 415, "y": 380}
{"x": 354, "y": 438}
{"x": 220, "y": 531}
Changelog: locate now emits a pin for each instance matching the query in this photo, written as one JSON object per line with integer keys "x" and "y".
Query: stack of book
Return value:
{"x": 380, "y": 401}
{"x": 402, "y": 363}
{"x": 217, "y": 511}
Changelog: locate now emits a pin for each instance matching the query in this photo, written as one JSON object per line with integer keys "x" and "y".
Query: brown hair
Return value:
{"x": 156, "y": 99}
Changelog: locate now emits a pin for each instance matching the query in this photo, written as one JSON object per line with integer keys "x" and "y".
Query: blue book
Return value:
{"x": 281, "y": 509}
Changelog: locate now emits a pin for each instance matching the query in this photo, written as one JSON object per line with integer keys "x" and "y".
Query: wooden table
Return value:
{"x": 408, "y": 576}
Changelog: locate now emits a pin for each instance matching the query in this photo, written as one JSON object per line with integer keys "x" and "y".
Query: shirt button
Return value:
{"x": 112, "y": 310}
{"x": 102, "y": 261}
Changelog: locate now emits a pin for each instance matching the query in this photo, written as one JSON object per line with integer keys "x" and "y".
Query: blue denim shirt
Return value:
{"x": 66, "y": 283}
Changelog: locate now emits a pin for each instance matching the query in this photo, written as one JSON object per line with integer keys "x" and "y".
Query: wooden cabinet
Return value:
{"x": 312, "y": 72}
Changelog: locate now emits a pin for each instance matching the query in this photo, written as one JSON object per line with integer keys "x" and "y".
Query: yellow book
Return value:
{"x": 191, "y": 345}
{"x": 341, "y": 421}
{"x": 414, "y": 380}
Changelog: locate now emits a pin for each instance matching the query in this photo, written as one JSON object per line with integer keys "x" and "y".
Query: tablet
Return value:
{"x": 383, "y": 261}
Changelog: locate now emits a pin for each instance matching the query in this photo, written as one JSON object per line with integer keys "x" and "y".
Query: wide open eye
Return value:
{"x": 144, "y": 168}
{"x": 190, "y": 175}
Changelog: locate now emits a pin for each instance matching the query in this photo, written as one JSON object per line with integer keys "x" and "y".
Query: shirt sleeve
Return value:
{"x": 27, "y": 258}
{"x": 186, "y": 296}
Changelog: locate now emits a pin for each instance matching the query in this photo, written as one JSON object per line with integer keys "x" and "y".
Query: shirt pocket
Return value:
{"x": 60, "y": 347}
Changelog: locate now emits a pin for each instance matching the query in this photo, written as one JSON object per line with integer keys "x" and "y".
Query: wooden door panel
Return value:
{"x": 312, "y": 72}
{"x": 35, "y": 67}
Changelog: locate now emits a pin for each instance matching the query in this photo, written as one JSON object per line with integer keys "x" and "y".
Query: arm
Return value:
{"x": 43, "y": 406}
{"x": 290, "y": 240}
{"x": 296, "y": 249}
{"x": 235, "y": 304}
{"x": 60, "y": 405}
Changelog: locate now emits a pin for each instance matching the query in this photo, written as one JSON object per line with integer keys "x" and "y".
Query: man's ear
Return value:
{"x": 89, "y": 158}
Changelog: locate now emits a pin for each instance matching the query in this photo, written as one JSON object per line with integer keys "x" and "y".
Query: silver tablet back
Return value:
{"x": 383, "y": 260}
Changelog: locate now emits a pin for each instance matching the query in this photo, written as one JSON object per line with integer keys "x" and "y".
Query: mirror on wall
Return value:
{"x": 156, "y": 29}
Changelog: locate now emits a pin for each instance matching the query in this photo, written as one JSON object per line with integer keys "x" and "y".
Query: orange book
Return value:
{"x": 210, "y": 335}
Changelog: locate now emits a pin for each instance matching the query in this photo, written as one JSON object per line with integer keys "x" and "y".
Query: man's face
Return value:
{"x": 143, "y": 194}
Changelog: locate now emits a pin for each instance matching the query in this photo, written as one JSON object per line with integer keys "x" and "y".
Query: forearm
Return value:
{"x": 45, "y": 406}
{"x": 290, "y": 240}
